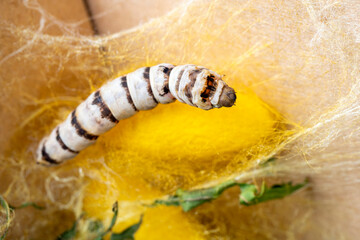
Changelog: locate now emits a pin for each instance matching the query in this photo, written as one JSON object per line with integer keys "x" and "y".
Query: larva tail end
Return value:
{"x": 227, "y": 97}
{"x": 42, "y": 157}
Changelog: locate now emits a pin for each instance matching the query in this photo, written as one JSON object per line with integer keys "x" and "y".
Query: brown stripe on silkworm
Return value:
{"x": 147, "y": 79}
{"x": 167, "y": 70}
{"x": 62, "y": 144}
{"x": 211, "y": 84}
{"x": 210, "y": 88}
{"x": 165, "y": 87}
{"x": 188, "y": 88}
{"x": 128, "y": 95}
{"x": 46, "y": 157}
{"x": 210, "y": 81}
{"x": 177, "y": 86}
{"x": 80, "y": 131}
{"x": 205, "y": 93}
{"x": 104, "y": 109}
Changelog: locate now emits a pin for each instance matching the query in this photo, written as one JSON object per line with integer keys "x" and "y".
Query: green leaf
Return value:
{"x": 250, "y": 196}
{"x": 5, "y": 206}
{"x": 127, "y": 234}
{"x": 71, "y": 233}
{"x": 191, "y": 199}
{"x": 95, "y": 226}
{"x": 8, "y": 208}
{"x": 115, "y": 209}
{"x": 27, "y": 204}
{"x": 248, "y": 193}
{"x": 171, "y": 201}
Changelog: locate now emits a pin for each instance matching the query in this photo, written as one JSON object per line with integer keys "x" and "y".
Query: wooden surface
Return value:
{"x": 112, "y": 16}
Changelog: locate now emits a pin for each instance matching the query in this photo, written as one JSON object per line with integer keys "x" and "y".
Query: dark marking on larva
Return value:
{"x": 188, "y": 88}
{"x": 80, "y": 131}
{"x": 167, "y": 70}
{"x": 46, "y": 156}
{"x": 146, "y": 72}
{"x": 128, "y": 96}
{"x": 210, "y": 87}
{"x": 188, "y": 93}
{"x": 210, "y": 79}
{"x": 205, "y": 94}
{"x": 148, "y": 88}
{"x": 62, "y": 144}
{"x": 193, "y": 75}
{"x": 165, "y": 87}
{"x": 211, "y": 84}
{"x": 104, "y": 109}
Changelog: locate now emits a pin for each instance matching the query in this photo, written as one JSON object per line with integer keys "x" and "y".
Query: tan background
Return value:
{"x": 113, "y": 16}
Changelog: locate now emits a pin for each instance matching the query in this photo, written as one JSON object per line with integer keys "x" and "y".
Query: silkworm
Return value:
{"x": 122, "y": 97}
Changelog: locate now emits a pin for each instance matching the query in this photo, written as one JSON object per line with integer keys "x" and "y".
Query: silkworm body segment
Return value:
{"x": 122, "y": 97}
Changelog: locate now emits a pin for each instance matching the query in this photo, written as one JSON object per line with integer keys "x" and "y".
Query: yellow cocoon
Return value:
{"x": 169, "y": 223}
{"x": 155, "y": 152}
{"x": 179, "y": 131}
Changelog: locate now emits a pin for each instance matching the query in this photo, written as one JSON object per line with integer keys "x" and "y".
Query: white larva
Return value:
{"x": 122, "y": 97}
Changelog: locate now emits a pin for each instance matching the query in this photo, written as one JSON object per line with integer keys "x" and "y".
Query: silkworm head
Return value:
{"x": 227, "y": 97}
{"x": 215, "y": 92}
